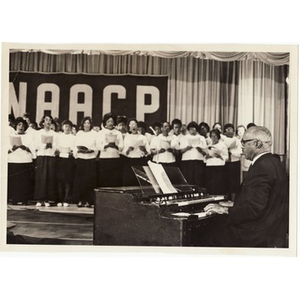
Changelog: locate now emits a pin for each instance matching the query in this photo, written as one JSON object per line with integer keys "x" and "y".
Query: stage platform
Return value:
{"x": 49, "y": 225}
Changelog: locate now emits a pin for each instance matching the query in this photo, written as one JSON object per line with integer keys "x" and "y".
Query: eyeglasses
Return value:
{"x": 245, "y": 141}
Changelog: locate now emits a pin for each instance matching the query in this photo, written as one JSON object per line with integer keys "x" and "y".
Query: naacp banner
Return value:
{"x": 73, "y": 96}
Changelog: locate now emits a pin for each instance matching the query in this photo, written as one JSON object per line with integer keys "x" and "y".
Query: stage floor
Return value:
{"x": 49, "y": 225}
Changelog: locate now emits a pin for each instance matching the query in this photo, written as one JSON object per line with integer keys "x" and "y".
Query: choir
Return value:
{"x": 56, "y": 163}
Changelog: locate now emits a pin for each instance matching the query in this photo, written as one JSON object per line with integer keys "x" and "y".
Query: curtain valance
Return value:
{"x": 271, "y": 58}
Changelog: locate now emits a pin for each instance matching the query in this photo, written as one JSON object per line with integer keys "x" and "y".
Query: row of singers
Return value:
{"x": 67, "y": 167}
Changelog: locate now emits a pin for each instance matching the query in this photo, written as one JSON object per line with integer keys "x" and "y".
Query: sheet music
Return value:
{"x": 152, "y": 179}
{"x": 136, "y": 145}
{"x": 162, "y": 178}
{"x": 15, "y": 140}
{"x": 110, "y": 138}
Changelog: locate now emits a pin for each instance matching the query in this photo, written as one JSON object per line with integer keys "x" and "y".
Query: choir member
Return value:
{"x": 58, "y": 127}
{"x": 176, "y": 125}
{"x": 85, "y": 165}
{"x": 96, "y": 127}
{"x": 184, "y": 130}
{"x": 142, "y": 129}
{"x": 110, "y": 144}
{"x": 204, "y": 130}
{"x": 156, "y": 128}
{"x": 121, "y": 125}
{"x": 240, "y": 130}
{"x": 11, "y": 124}
{"x": 218, "y": 126}
{"x": 74, "y": 129}
{"x": 193, "y": 148}
{"x": 136, "y": 149}
{"x": 215, "y": 165}
{"x": 20, "y": 164}
{"x": 65, "y": 163}
{"x": 233, "y": 165}
{"x": 130, "y": 124}
{"x": 163, "y": 146}
{"x": 45, "y": 172}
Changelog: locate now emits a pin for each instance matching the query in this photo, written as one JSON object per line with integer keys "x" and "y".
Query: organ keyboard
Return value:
{"x": 143, "y": 216}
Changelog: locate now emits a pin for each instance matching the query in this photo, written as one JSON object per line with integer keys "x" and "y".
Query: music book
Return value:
{"x": 110, "y": 138}
{"x": 47, "y": 139}
{"x": 15, "y": 140}
{"x": 162, "y": 178}
{"x": 82, "y": 148}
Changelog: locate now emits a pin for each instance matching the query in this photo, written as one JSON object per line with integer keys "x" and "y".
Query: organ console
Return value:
{"x": 145, "y": 216}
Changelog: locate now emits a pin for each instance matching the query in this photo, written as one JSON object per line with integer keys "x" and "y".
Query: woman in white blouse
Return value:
{"x": 45, "y": 172}
{"x": 85, "y": 164}
{"x": 233, "y": 165}
{"x": 215, "y": 165}
{"x": 65, "y": 163}
{"x": 164, "y": 146}
{"x": 193, "y": 148}
{"x": 136, "y": 150}
{"x": 110, "y": 144}
{"x": 20, "y": 164}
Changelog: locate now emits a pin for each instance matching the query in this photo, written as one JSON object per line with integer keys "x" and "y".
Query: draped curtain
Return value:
{"x": 228, "y": 87}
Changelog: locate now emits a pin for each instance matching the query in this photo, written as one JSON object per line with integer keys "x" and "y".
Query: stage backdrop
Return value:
{"x": 72, "y": 96}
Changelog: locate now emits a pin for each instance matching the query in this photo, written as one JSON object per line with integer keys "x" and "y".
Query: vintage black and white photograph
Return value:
{"x": 187, "y": 146}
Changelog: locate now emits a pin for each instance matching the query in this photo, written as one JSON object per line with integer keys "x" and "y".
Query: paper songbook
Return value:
{"x": 136, "y": 147}
{"x": 162, "y": 178}
{"x": 47, "y": 139}
{"x": 82, "y": 148}
{"x": 15, "y": 140}
{"x": 110, "y": 138}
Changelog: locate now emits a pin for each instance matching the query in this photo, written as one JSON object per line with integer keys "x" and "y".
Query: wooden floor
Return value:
{"x": 49, "y": 225}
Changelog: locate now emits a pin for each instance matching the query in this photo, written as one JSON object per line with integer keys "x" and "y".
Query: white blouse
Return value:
{"x": 20, "y": 155}
{"x": 106, "y": 136}
{"x": 86, "y": 139}
{"x": 135, "y": 141}
{"x": 194, "y": 141}
{"x": 165, "y": 142}
{"x": 41, "y": 138}
{"x": 220, "y": 149}
{"x": 234, "y": 146}
{"x": 65, "y": 144}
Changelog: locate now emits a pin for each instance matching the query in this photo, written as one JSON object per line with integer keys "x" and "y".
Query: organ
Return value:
{"x": 146, "y": 216}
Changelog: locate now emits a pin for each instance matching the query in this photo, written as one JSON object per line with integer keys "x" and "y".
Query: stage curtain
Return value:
{"x": 228, "y": 87}
{"x": 272, "y": 58}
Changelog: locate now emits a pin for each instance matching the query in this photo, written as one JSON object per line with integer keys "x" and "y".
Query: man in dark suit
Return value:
{"x": 259, "y": 216}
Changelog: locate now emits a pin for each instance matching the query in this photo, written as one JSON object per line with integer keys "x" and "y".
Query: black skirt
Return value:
{"x": 84, "y": 180}
{"x": 20, "y": 182}
{"x": 233, "y": 175}
{"x": 65, "y": 169}
{"x": 129, "y": 178}
{"x": 194, "y": 172}
{"x": 110, "y": 172}
{"x": 45, "y": 178}
{"x": 215, "y": 177}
